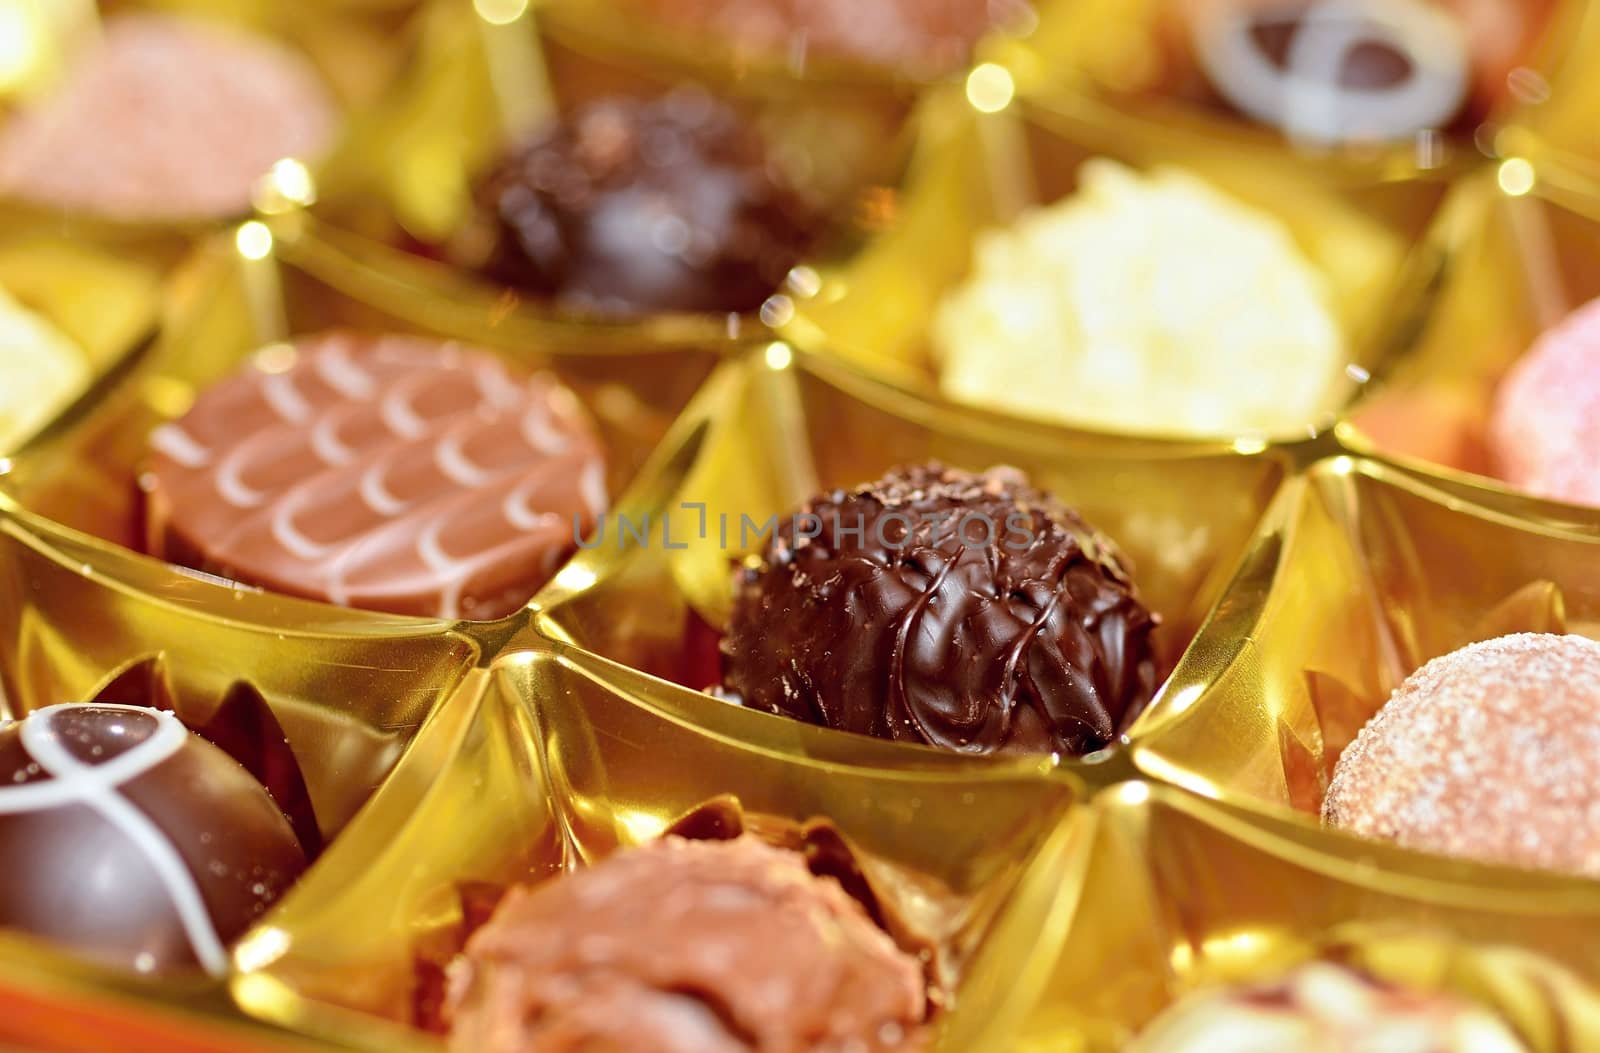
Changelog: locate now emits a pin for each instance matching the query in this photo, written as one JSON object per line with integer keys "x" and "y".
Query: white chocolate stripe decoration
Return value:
{"x": 97, "y": 787}
{"x": 1306, "y": 97}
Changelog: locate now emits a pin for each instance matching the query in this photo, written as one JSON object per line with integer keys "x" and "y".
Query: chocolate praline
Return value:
{"x": 936, "y": 606}
{"x": 133, "y": 841}
{"x": 633, "y": 207}
{"x": 390, "y": 473}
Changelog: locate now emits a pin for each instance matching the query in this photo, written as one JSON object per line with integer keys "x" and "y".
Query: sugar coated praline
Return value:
{"x": 1490, "y": 753}
{"x": 1144, "y": 303}
{"x": 166, "y": 119}
{"x": 942, "y": 607}
{"x": 1544, "y": 434}
{"x": 918, "y": 37}
{"x": 1325, "y": 1008}
{"x": 133, "y": 841}
{"x": 630, "y": 207}
{"x": 392, "y": 473}
{"x": 684, "y": 946}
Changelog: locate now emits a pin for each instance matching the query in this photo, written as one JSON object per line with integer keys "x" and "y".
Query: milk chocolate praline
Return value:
{"x": 130, "y": 840}
{"x": 687, "y": 946}
{"x": 631, "y": 207}
{"x": 391, "y": 473}
{"x": 970, "y": 612}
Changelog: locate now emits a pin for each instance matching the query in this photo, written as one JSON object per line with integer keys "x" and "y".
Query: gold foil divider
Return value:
{"x": 516, "y": 66}
{"x": 1537, "y": 607}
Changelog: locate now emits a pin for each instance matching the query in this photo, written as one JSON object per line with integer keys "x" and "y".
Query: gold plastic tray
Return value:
{"x": 1297, "y": 582}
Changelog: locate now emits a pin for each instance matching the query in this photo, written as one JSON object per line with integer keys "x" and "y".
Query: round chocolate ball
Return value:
{"x": 1545, "y": 430}
{"x": 133, "y": 841}
{"x": 1491, "y": 753}
{"x": 936, "y": 606}
{"x": 1324, "y": 1008}
{"x": 631, "y": 207}
{"x": 684, "y": 946}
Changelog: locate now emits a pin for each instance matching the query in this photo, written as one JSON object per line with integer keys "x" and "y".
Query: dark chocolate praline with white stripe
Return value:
{"x": 941, "y": 607}
{"x": 132, "y": 841}
{"x": 390, "y": 473}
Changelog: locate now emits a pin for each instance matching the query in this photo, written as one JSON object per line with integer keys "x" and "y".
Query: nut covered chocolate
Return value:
{"x": 970, "y": 612}
{"x": 133, "y": 841}
{"x": 683, "y": 946}
{"x": 389, "y": 473}
{"x": 629, "y": 208}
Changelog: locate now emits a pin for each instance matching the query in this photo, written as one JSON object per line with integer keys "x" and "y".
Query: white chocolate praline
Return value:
{"x": 1144, "y": 303}
{"x": 1323, "y": 1008}
{"x": 41, "y": 371}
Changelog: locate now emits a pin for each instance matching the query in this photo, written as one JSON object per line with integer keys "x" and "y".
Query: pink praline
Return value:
{"x": 1545, "y": 430}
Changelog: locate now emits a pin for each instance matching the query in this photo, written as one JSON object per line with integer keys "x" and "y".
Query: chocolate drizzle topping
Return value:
{"x": 970, "y": 612}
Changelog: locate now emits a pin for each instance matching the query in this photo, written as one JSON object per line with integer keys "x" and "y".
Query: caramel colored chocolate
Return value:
{"x": 391, "y": 473}
{"x": 133, "y": 841}
{"x": 630, "y": 208}
{"x": 970, "y": 612}
{"x": 686, "y": 947}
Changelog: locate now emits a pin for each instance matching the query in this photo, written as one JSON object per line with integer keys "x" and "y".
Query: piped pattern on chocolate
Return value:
{"x": 391, "y": 473}
{"x": 917, "y": 629}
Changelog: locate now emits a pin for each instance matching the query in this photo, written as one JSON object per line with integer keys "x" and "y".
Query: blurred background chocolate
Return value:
{"x": 1325, "y": 1008}
{"x": 1544, "y": 433}
{"x": 630, "y": 207}
{"x": 1144, "y": 303}
{"x": 918, "y": 38}
{"x": 391, "y": 473}
{"x": 132, "y": 841}
{"x": 165, "y": 119}
{"x": 935, "y": 606}
{"x": 686, "y": 946}
{"x": 1490, "y": 753}
{"x": 1329, "y": 72}
{"x": 41, "y": 370}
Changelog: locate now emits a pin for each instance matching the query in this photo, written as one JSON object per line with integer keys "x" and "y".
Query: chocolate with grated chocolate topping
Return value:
{"x": 970, "y": 612}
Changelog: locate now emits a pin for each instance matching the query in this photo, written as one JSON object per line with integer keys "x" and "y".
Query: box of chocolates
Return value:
{"x": 798, "y": 528}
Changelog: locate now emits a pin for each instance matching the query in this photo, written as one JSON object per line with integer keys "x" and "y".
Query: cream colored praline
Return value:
{"x": 1324, "y": 1008}
{"x": 41, "y": 371}
{"x": 1149, "y": 303}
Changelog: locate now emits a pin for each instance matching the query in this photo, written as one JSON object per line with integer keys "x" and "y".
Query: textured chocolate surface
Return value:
{"x": 920, "y": 37}
{"x": 686, "y": 947}
{"x": 972, "y": 612}
{"x": 636, "y": 207}
{"x": 1323, "y": 1008}
{"x": 1490, "y": 753}
{"x": 391, "y": 473}
{"x": 131, "y": 840}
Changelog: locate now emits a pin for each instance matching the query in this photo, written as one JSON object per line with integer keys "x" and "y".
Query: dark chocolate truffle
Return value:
{"x": 131, "y": 840}
{"x": 1324, "y": 1008}
{"x": 970, "y": 612}
{"x": 1490, "y": 753}
{"x": 686, "y": 947}
{"x": 391, "y": 473}
{"x": 631, "y": 207}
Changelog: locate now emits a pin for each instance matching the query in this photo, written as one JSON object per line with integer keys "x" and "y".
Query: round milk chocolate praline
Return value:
{"x": 389, "y": 473}
{"x": 684, "y": 946}
{"x": 133, "y": 841}
{"x": 628, "y": 207}
{"x": 1490, "y": 753}
{"x": 936, "y": 606}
